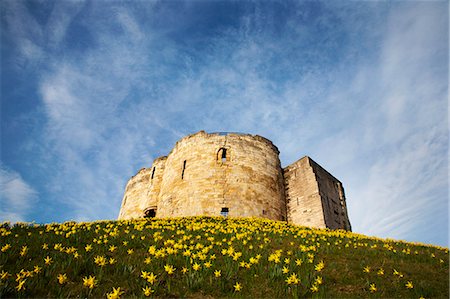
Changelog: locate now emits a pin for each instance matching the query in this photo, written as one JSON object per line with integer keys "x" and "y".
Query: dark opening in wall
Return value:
{"x": 222, "y": 155}
{"x": 184, "y": 167}
{"x": 153, "y": 172}
{"x": 224, "y": 212}
{"x": 264, "y": 212}
{"x": 150, "y": 213}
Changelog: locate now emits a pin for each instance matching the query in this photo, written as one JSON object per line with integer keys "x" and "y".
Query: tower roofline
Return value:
{"x": 202, "y": 132}
{"x": 316, "y": 164}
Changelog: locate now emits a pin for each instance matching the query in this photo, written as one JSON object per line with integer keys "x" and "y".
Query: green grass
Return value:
{"x": 260, "y": 255}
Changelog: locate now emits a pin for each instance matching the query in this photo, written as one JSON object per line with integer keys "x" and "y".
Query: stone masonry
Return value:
{"x": 239, "y": 175}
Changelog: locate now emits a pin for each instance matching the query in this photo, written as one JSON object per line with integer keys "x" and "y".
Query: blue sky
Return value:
{"x": 93, "y": 91}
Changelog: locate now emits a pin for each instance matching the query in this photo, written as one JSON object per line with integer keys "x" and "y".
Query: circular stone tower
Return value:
{"x": 222, "y": 174}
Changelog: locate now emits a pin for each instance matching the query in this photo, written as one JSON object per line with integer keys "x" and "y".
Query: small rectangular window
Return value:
{"x": 224, "y": 212}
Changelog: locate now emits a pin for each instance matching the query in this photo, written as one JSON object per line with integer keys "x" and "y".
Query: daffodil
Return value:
{"x": 100, "y": 260}
{"x": 169, "y": 269}
{"x": 4, "y": 275}
{"x": 217, "y": 273}
{"x": 318, "y": 280}
{"x": 237, "y": 287}
{"x": 196, "y": 267}
{"x": 21, "y": 285}
{"x": 115, "y": 294}
{"x": 88, "y": 247}
{"x": 292, "y": 279}
{"x": 48, "y": 260}
{"x": 37, "y": 269}
{"x": 23, "y": 251}
{"x": 6, "y": 247}
{"x": 90, "y": 282}
{"x": 151, "y": 278}
{"x": 409, "y": 285}
{"x": 366, "y": 269}
{"x": 147, "y": 291}
{"x": 319, "y": 267}
{"x": 144, "y": 274}
{"x": 372, "y": 288}
{"x": 62, "y": 278}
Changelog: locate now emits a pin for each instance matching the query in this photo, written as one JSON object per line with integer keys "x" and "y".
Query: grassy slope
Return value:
{"x": 255, "y": 253}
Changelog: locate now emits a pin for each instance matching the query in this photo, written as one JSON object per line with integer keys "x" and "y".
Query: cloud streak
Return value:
{"x": 16, "y": 197}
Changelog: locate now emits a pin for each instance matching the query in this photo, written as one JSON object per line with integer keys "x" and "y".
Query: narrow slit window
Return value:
{"x": 153, "y": 172}
{"x": 224, "y": 212}
{"x": 184, "y": 168}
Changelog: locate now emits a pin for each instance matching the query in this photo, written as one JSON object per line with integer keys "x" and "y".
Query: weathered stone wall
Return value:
{"x": 154, "y": 183}
{"x": 136, "y": 195}
{"x": 333, "y": 198}
{"x": 314, "y": 197}
{"x": 302, "y": 195}
{"x": 248, "y": 182}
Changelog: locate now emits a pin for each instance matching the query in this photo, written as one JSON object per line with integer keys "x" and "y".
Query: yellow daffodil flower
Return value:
{"x": 115, "y": 294}
{"x": 147, "y": 291}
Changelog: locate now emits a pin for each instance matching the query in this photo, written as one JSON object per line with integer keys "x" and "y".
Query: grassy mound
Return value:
{"x": 212, "y": 257}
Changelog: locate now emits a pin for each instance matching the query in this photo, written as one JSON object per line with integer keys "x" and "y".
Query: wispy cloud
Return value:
{"x": 16, "y": 196}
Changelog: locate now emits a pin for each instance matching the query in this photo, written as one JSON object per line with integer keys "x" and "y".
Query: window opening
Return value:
{"x": 184, "y": 167}
{"x": 222, "y": 155}
{"x": 264, "y": 212}
{"x": 150, "y": 213}
{"x": 153, "y": 172}
{"x": 224, "y": 212}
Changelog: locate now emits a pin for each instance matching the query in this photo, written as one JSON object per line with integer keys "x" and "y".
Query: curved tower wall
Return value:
{"x": 247, "y": 181}
{"x": 154, "y": 184}
{"x": 136, "y": 194}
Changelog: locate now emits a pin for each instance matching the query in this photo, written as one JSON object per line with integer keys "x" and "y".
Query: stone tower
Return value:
{"x": 237, "y": 175}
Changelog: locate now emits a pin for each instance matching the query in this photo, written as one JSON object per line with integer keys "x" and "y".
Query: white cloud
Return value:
{"x": 16, "y": 196}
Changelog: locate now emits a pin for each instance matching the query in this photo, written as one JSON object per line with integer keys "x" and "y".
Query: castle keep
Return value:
{"x": 238, "y": 175}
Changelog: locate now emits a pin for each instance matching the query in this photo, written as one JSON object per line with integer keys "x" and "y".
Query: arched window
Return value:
{"x": 150, "y": 213}
{"x": 222, "y": 155}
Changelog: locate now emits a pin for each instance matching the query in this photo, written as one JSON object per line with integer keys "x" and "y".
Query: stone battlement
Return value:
{"x": 235, "y": 174}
